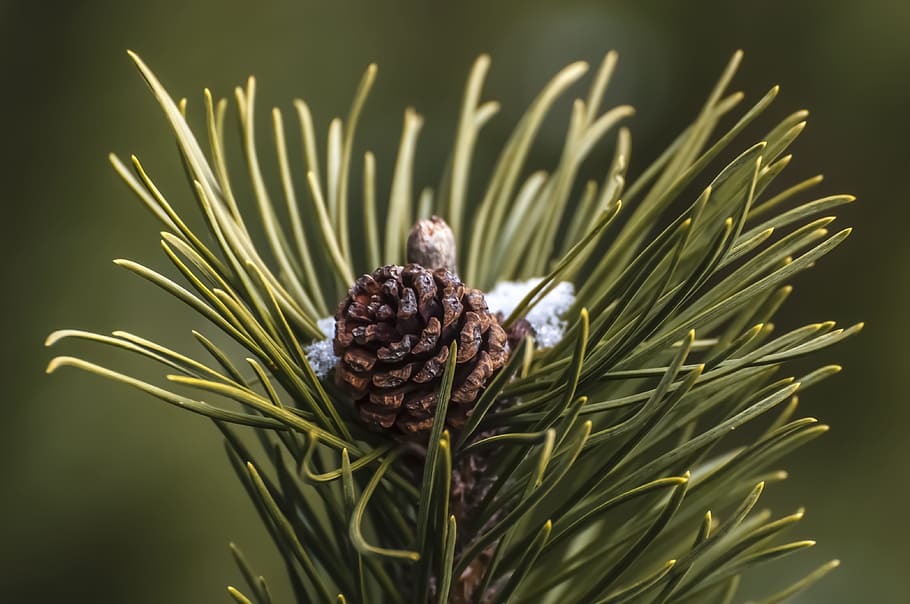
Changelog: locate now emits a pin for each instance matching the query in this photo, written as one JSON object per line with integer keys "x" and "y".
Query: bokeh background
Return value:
{"x": 110, "y": 496}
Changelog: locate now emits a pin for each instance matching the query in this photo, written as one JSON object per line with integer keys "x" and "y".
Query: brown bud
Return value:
{"x": 431, "y": 244}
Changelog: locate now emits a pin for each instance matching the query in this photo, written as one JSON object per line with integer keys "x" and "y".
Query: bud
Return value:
{"x": 431, "y": 244}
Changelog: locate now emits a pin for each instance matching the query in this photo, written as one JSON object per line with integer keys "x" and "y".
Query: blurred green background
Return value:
{"x": 110, "y": 496}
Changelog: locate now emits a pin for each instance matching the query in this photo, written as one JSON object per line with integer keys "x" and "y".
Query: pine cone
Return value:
{"x": 392, "y": 334}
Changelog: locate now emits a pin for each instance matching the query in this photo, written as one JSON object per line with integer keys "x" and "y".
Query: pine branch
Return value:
{"x": 599, "y": 469}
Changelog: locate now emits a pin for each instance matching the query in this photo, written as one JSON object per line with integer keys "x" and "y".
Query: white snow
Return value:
{"x": 320, "y": 354}
{"x": 546, "y": 318}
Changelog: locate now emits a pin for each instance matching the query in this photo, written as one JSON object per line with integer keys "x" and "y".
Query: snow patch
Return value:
{"x": 320, "y": 354}
{"x": 546, "y": 318}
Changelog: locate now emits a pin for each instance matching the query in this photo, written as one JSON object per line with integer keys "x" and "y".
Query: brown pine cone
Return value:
{"x": 392, "y": 334}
